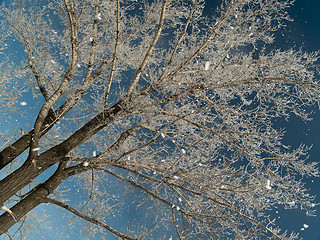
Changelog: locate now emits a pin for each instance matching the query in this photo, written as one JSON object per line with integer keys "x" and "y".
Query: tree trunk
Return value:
{"x": 33, "y": 199}
{"x": 27, "y": 172}
{"x": 21, "y": 177}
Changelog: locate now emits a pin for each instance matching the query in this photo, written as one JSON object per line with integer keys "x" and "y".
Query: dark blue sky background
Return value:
{"x": 303, "y": 32}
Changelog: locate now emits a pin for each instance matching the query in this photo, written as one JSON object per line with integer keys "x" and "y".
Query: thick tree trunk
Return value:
{"x": 33, "y": 199}
{"x": 14, "y": 150}
{"x": 28, "y": 171}
{"x": 21, "y": 177}
{"x": 8, "y": 154}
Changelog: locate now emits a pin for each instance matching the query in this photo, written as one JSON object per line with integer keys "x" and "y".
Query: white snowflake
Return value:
{"x": 86, "y": 164}
{"x": 268, "y": 185}
{"x": 99, "y": 16}
{"x": 292, "y": 203}
{"x": 207, "y": 66}
{"x": 305, "y": 225}
{"x": 23, "y": 103}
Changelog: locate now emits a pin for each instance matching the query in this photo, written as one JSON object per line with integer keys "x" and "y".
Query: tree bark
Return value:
{"x": 33, "y": 199}
{"x": 28, "y": 171}
{"x": 22, "y": 176}
{"x": 8, "y": 154}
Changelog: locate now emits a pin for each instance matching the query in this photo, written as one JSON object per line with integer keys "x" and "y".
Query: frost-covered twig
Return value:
{"x": 4, "y": 208}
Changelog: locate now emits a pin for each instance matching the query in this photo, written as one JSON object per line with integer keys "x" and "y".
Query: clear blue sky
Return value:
{"x": 304, "y": 32}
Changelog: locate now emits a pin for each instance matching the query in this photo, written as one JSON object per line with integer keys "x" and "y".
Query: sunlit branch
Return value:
{"x": 34, "y": 148}
{"x": 204, "y": 44}
{"x": 114, "y": 56}
{"x": 148, "y": 142}
{"x": 136, "y": 78}
{"x": 8, "y": 234}
{"x": 89, "y": 219}
{"x": 116, "y": 145}
{"x": 93, "y": 46}
{"x": 226, "y": 204}
{"x": 175, "y": 223}
{"x": 134, "y": 184}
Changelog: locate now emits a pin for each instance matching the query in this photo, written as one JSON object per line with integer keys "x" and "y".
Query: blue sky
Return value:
{"x": 303, "y": 32}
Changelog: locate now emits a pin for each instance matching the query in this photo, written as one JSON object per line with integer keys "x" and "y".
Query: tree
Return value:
{"x": 178, "y": 108}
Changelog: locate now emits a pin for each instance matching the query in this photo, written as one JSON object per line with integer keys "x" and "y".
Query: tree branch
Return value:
{"x": 89, "y": 219}
{"x": 148, "y": 54}
{"x": 33, "y": 198}
{"x": 106, "y": 100}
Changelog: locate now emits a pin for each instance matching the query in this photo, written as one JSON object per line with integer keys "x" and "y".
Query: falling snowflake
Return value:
{"x": 207, "y": 66}
{"x": 94, "y": 153}
{"x": 305, "y": 225}
{"x": 183, "y": 151}
{"x": 268, "y": 185}
{"x": 99, "y": 16}
{"x": 23, "y": 103}
{"x": 86, "y": 164}
{"x": 292, "y": 203}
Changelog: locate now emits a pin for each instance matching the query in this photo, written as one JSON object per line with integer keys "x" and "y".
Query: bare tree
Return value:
{"x": 177, "y": 108}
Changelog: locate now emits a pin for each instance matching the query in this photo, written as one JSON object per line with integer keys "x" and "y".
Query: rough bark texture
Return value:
{"x": 14, "y": 150}
{"x": 33, "y": 199}
{"x": 28, "y": 171}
